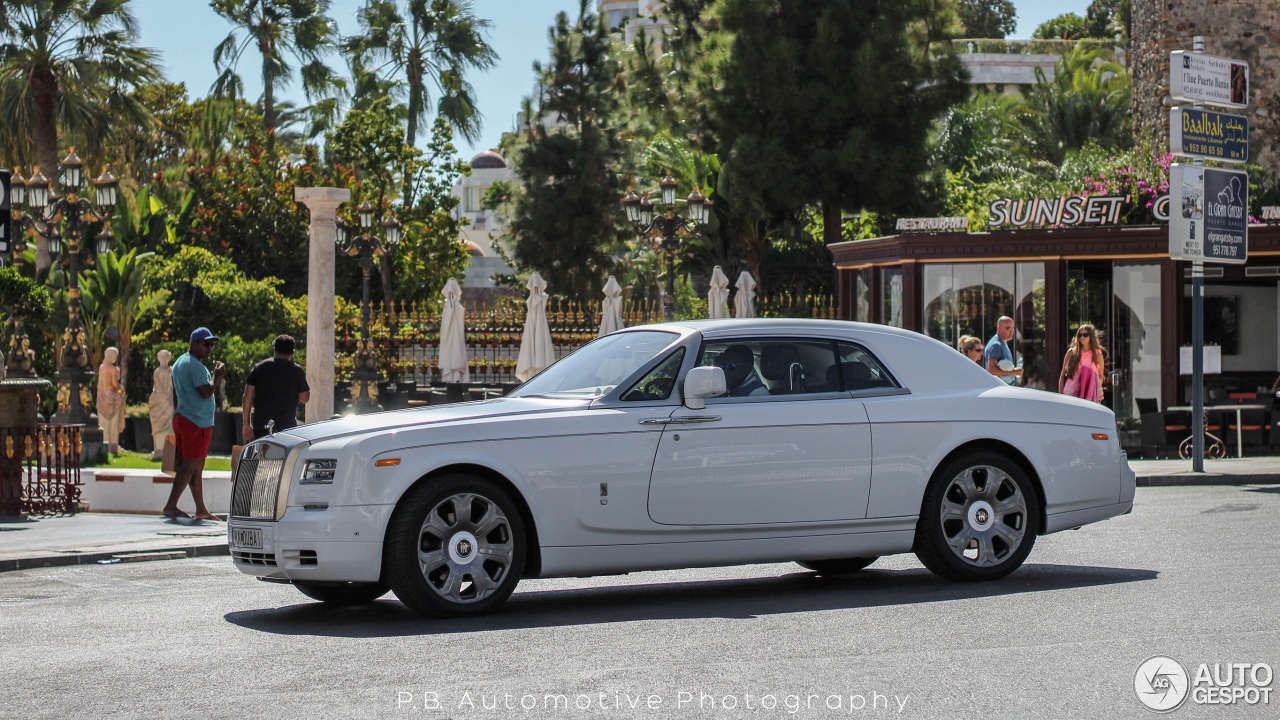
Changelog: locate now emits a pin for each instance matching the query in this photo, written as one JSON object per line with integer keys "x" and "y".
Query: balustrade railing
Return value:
{"x": 493, "y": 333}
{"x": 40, "y": 469}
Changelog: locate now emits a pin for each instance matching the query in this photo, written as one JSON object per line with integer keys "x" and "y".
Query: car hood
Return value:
{"x": 416, "y": 417}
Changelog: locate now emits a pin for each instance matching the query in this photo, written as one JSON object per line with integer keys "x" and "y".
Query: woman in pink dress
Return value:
{"x": 1084, "y": 366}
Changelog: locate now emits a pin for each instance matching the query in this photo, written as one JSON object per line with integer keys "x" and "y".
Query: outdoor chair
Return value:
{"x": 1252, "y": 428}
{"x": 1177, "y": 427}
{"x": 1152, "y": 434}
{"x": 1147, "y": 405}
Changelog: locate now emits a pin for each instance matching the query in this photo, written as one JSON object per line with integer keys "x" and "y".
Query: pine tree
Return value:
{"x": 567, "y": 219}
{"x": 831, "y": 102}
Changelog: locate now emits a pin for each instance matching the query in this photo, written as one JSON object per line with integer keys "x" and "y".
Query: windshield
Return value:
{"x": 597, "y": 367}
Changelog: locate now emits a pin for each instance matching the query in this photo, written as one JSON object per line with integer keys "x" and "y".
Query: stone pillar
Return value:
{"x": 323, "y": 203}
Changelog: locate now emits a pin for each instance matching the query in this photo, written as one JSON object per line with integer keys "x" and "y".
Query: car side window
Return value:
{"x": 659, "y": 382}
{"x": 859, "y": 370}
{"x": 757, "y": 367}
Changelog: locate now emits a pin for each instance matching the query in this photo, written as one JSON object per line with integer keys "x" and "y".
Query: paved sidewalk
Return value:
{"x": 1228, "y": 471}
{"x": 93, "y": 537}
{"x": 89, "y": 537}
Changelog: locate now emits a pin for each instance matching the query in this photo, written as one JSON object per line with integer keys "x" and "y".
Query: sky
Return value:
{"x": 185, "y": 33}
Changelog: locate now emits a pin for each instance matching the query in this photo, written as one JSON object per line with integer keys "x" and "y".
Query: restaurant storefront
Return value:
{"x": 1120, "y": 279}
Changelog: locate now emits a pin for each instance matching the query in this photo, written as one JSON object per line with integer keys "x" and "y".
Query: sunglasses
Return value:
{"x": 1084, "y": 334}
{"x": 207, "y": 343}
{"x": 727, "y": 365}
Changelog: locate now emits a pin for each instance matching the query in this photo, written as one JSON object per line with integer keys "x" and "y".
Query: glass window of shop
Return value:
{"x": 1135, "y": 337}
{"x": 968, "y": 298}
{"x": 891, "y": 296}
{"x": 862, "y": 296}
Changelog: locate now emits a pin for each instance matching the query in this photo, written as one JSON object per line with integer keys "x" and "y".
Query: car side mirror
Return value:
{"x": 702, "y": 383}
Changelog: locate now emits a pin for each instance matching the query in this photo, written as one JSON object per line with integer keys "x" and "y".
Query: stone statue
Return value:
{"x": 110, "y": 400}
{"x": 161, "y": 402}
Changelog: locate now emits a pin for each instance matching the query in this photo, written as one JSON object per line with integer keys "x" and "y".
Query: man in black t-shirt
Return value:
{"x": 273, "y": 390}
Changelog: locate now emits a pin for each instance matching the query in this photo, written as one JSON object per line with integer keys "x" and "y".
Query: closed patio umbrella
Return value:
{"x": 453, "y": 336}
{"x": 536, "y": 351}
{"x": 718, "y": 295}
{"x": 611, "y": 308}
{"x": 744, "y": 303}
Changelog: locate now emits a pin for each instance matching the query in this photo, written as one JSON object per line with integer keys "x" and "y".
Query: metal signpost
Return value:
{"x": 1208, "y": 207}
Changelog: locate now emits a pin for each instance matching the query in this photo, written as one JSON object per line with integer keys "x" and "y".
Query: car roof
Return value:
{"x": 780, "y": 325}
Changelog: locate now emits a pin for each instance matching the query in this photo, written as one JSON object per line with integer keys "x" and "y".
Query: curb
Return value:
{"x": 1189, "y": 479}
{"x": 92, "y": 558}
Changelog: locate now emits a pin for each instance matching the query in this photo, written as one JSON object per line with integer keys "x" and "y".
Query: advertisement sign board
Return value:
{"x": 1208, "y": 134}
{"x": 1199, "y": 78}
{"x": 1209, "y": 221}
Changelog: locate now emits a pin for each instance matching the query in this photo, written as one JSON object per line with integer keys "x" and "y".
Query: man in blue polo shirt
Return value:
{"x": 998, "y": 358}
{"x": 193, "y": 422}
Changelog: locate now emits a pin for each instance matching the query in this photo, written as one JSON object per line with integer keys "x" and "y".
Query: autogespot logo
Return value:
{"x": 1161, "y": 683}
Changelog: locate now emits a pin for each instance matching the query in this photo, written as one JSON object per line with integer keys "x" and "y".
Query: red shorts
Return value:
{"x": 193, "y": 442}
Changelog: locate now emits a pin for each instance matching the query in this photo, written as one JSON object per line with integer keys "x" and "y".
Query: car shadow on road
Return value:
{"x": 741, "y": 598}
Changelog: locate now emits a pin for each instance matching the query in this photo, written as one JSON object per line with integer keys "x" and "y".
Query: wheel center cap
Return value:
{"x": 462, "y": 549}
{"x": 981, "y": 515}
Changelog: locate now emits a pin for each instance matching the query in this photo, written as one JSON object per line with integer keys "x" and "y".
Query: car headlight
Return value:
{"x": 315, "y": 472}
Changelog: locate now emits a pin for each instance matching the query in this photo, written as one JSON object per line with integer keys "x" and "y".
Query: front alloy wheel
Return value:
{"x": 456, "y": 547}
{"x": 979, "y": 518}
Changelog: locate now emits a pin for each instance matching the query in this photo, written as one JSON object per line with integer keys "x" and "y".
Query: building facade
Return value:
{"x": 1246, "y": 30}
{"x": 1050, "y": 281}
{"x": 482, "y": 227}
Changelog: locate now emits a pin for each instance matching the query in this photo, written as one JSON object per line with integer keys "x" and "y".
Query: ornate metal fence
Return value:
{"x": 40, "y": 469}
{"x": 494, "y": 332}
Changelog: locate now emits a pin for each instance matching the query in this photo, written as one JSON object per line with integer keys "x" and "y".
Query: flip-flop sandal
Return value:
{"x": 175, "y": 516}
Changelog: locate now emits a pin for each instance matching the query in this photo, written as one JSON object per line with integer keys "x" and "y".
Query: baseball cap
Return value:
{"x": 202, "y": 333}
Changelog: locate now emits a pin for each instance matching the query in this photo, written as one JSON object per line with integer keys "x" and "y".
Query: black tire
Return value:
{"x": 837, "y": 566}
{"x": 983, "y": 503}
{"x": 343, "y": 594}
{"x": 456, "y": 546}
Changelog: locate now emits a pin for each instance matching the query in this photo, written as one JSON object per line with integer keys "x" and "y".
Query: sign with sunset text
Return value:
{"x": 1055, "y": 212}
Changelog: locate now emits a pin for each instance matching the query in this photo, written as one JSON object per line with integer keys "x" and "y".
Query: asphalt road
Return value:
{"x": 1192, "y": 574}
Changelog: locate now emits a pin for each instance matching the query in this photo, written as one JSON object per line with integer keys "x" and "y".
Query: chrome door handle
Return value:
{"x": 654, "y": 421}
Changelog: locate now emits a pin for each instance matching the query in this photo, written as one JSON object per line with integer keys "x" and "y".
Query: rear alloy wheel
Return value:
{"x": 456, "y": 546}
{"x": 343, "y": 594}
{"x": 837, "y": 566}
{"x": 979, "y": 519}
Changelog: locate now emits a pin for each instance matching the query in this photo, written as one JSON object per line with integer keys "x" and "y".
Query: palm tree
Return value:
{"x": 429, "y": 41}
{"x": 114, "y": 291}
{"x": 1088, "y": 100}
{"x": 69, "y": 65}
{"x": 277, "y": 30}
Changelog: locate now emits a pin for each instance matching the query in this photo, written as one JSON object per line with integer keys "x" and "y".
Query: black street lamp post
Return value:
{"x": 50, "y": 217}
{"x": 366, "y": 247}
{"x": 669, "y": 227}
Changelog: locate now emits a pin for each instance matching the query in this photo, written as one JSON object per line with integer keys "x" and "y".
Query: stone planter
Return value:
{"x": 142, "y": 440}
{"x": 127, "y": 438}
{"x": 225, "y": 431}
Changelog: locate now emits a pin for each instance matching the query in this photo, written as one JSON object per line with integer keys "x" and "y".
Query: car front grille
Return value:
{"x": 254, "y": 558}
{"x": 257, "y": 486}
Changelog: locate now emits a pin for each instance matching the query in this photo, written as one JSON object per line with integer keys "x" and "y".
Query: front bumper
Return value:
{"x": 338, "y": 544}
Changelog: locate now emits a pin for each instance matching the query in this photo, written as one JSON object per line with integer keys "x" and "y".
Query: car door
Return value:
{"x": 799, "y": 452}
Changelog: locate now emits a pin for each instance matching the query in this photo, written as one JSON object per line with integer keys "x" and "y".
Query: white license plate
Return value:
{"x": 247, "y": 538}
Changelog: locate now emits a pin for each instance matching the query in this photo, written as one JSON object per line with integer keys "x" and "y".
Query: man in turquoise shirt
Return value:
{"x": 193, "y": 422}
